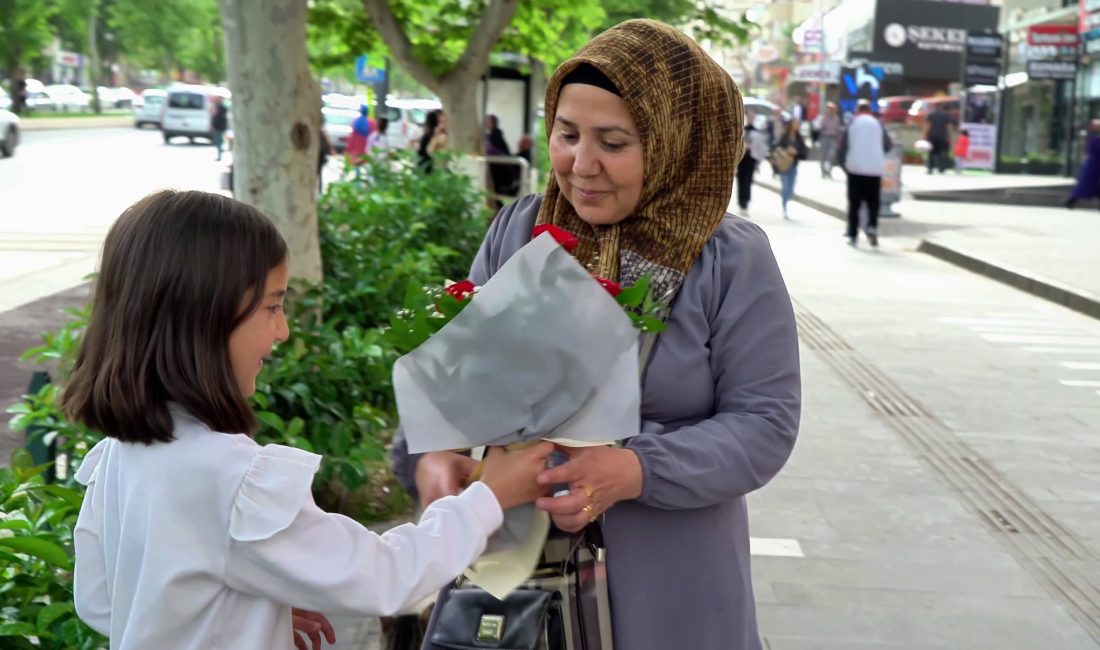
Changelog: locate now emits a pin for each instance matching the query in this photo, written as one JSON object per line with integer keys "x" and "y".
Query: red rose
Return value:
{"x": 461, "y": 290}
{"x": 560, "y": 235}
{"x": 612, "y": 287}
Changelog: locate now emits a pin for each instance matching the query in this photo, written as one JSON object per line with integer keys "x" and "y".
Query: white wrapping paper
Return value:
{"x": 541, "y": 352}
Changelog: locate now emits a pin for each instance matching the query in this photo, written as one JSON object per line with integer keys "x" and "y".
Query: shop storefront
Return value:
{"x": 1038, "y": 102}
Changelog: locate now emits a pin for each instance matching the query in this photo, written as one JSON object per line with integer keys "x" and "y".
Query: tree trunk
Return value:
{"x": 276, "y": 120}
{"x": 459, "y": 98}
{"x": 93, "y": 56}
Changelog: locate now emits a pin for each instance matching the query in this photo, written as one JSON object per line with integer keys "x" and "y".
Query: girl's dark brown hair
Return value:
{"x": 175, "y": 270}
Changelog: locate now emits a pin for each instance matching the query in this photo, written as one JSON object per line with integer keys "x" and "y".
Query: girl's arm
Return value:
{"x": 93, "y": 603}
{"x": 285, "y": 548}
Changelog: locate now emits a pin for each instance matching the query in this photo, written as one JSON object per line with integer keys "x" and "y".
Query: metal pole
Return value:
{"x": 821, "y": 81}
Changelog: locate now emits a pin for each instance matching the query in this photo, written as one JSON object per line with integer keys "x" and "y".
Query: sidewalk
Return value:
{"x": 1049, "y": 252}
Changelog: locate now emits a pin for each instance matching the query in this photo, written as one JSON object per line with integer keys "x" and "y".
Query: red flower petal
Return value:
{"x": 461, "y": 290}
{"x": 614, "y": 288}
{"x": 560, "y": 235}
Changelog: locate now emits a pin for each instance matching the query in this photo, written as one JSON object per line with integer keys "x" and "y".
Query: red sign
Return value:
{"x": 1052, "y": 35}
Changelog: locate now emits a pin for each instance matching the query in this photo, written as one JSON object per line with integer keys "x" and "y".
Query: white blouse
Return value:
{"x": 208, "y": 541}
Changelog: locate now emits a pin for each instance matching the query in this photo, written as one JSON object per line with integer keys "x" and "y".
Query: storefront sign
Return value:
{"x": 981, "y": 74}
{"x": 984, "y": 46}
{"x": 1056, "y": 70}
{"x": 1088, "y": 18}
{"x": 816, "y": 73}
{"x": 983, "y": 146}
{"x": 891, "y": 178}
{"x": 1052, "y": 35}
{"x": 929, "y": 38}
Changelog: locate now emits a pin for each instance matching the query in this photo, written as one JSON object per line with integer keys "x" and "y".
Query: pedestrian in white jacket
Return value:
{"x": 862, "y": 152}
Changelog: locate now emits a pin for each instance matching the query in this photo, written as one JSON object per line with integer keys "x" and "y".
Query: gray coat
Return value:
{"x": 720, "y": 412}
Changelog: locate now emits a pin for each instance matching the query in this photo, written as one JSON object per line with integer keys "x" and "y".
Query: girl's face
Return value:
{"x": 253, "y": 339}
{"x": 596, "y": 153}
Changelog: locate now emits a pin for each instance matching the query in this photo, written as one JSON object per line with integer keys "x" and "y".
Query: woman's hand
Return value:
{"x": 598, "y": 478}
{"x": 440, "y": 474}
{"x": 312, "y": 625}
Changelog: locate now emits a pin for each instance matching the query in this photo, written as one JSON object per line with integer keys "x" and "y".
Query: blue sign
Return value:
{"x": 367, "y": 73}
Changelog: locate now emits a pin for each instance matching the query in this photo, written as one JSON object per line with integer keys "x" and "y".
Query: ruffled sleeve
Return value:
{"x": 89, "y": 466}
{"x": 275, "y": 488}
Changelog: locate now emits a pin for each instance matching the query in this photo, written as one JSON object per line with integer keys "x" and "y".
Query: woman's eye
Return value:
{"x": 274, "y": 309}
{"x": 568, "y": 137}
{"x": 613, "y": 146}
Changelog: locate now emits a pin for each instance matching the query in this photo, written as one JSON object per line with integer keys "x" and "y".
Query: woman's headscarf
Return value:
{"x": 689, "y": 116}
{"x": 361, "y": 125}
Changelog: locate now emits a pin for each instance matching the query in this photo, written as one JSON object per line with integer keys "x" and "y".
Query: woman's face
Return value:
{"x": 596, "y": 153}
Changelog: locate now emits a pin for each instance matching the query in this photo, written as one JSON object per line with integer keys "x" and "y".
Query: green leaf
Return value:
{"x": 38, "y": 548}
{"x": 17, "y": 629}
{"x": 51, "y": 613}
{"x": 272, "y": 420}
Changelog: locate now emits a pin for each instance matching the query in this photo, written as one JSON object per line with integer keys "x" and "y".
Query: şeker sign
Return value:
{"x": 927, "y": 37}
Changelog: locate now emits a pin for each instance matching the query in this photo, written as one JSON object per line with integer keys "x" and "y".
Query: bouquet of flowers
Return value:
{"x": 542, "y": 351}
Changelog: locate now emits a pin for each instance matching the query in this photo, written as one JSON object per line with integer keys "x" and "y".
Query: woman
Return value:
{"x": 504, "y": 176}
{"x": 645, "y": 137}
{"x": 789, "y": 149}
{"x": 433, "y": 139}
{"x": 356, "y": 147}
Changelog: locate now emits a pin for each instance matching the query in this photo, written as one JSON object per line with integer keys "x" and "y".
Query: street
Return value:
{"x": 945, "y": 489}
{"x": 64, "y": 188}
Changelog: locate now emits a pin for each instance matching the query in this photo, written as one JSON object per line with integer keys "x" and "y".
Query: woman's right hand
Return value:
{"x": 440, "y": 474}
{"x": 511, "y": 474}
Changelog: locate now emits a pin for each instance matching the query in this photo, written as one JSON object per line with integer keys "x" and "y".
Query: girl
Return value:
{"x": 191, "y": 535}
{"x": 794, "y": 148}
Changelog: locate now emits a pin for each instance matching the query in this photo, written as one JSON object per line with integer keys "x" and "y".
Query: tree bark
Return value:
{"x": 93, "y": 56}
{"x": 276, "y": 121}
{"x": 457, "y": 88}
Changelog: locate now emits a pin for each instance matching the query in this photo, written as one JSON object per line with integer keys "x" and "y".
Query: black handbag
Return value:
{"x": 564, "y": 605}
{"x": 473, "y": 619}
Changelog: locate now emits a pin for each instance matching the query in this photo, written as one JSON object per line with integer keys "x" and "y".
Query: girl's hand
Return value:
{"x": 312, "y": 625}
{"x": 440, "y": 474}
{"x": 511, "y": 474}
{"x": 598, "y": 478}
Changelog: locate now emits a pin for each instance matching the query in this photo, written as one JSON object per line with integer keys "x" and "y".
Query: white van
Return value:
{"x": 406, "y": 118}
{"x": 187, "y": 111}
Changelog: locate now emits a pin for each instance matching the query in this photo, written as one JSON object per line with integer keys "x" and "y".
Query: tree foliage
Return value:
{"x": 171, "y": 35}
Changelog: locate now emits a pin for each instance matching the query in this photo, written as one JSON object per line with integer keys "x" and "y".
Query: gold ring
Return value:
{"x": 589, "y": 492}
{"x": 591, "y": 514}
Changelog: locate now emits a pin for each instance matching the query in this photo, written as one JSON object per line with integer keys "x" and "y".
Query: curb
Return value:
{"x": 1075, "y": 299}
{"x": 53, "y": 124}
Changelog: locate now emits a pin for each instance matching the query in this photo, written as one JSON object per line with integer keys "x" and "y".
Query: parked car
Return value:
{"x": 148, "y": 107}
{"x": 9, "y": 133}
{"x": 62, "y": 98}
{"x": 895, "y": 110}
{"x": 188, "y": 110}
{"x": 919, "y": 111}
{"x": 115, "y": 97}
{"x": 5, "y": 99}
{"x": 338, "y": 126}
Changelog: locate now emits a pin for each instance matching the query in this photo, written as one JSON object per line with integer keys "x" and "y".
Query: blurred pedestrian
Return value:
{"x": 378, "y": 138}
{"x": 962, "y": 150}
{"x": 504, "y": 176}
{"x": 1088, "y": 180}
{"x": 324, "y": 149}
{"x": 828, "y": 133}
{"x": 523, "y": 148}
{"x": 756, "y": 151}
{"x": 433, "y": 140}
{"x": 219, "y": 124}
{"x": 789, "y": 149}
{"x": 938, "y": 133}
{"x": 357, "y": 139}
{"x": 863, "y": 149}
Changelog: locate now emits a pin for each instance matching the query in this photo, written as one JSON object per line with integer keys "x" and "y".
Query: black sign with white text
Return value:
{"x": 929, "y": 38}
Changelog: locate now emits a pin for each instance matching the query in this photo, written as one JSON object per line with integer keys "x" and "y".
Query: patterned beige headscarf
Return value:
{"x": 690, "y": 118}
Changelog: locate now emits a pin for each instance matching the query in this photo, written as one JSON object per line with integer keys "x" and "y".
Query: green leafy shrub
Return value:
{"x": 36, "y": 561}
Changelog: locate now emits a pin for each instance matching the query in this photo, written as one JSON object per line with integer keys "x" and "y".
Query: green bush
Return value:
{"x": 36, "y": 579}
